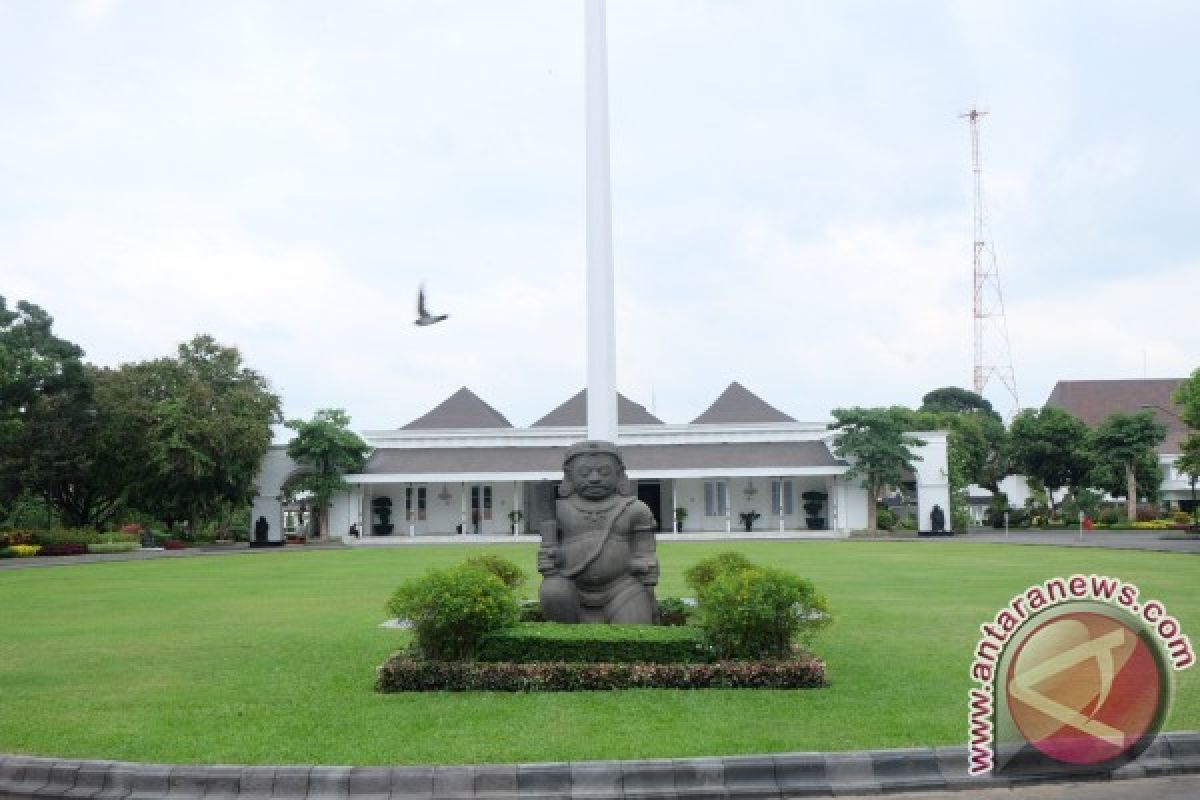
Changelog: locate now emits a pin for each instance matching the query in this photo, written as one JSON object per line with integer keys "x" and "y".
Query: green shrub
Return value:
{"x": 757, "y": 612}
{"x": 704, "y": 571}
{"x": 552, "y": 641}
{"x": 24, "y": 550}
{"x": 402, "y": 674}
{"x": 885, "y": 520}
{"x": 673, "y": 611}
{"x": 113, "y": 547}
{"x": 16, "y": 537}
{"x": 531, "y": 611}
{"x": 1109, "y": 516}
{"x": 65, "y": 536}
{"x": 1147, "y": 512}
{"x": 451, "y": 609}
{"x": 502, "y": 568}
{"x": 117, "y": 537}
{"x": 1181, "y": 518}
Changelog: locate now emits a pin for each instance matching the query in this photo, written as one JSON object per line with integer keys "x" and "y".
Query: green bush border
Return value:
{"x": 113, "y": 547}
{"x": 624, "y": 644}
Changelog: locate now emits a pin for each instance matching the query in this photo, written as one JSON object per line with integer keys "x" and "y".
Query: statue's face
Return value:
{"x": 595, "y": 475}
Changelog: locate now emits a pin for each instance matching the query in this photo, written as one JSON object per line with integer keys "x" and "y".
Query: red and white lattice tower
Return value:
{"x": 993, "y": 356}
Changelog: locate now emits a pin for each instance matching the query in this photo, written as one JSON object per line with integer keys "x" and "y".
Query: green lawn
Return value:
{"x": 269, "y": 658}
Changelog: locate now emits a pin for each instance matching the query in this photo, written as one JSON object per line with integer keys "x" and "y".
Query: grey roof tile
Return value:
{"x": 463, "y": 409}
{"x": 1092, "y": 401}
{"x": 737, "y": 404}
{"x": 573, "y": 413}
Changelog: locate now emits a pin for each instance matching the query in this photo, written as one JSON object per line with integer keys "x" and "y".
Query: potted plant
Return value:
{"x": 813, "y": 503}
{"x": 382, "y": 506}
{"x": 514, "y": 517}
{"x": 748, "y": 518}
{"x": 680, "y": 516}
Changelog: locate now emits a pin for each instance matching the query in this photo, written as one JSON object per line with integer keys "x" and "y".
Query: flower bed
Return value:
{"x": 64, "y": 549}
{"x": 400, "y": 673}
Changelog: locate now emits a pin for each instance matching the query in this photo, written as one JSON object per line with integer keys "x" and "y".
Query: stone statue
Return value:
{"x": 937, "y": 519}
{"x": 597, "y": 559}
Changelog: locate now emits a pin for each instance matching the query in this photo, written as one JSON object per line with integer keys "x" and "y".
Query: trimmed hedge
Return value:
{"x": 402, "y": 674}
{"x": 113, "y": 547}
{"x": 624, "y": 644}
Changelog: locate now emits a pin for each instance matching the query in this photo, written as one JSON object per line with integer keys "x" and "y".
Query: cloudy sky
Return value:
{"x": 791, "y": 186}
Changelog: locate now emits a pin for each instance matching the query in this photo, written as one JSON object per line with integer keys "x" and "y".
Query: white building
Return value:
{"x": 463, "y": 467}
{"x": 1093, "y": 401}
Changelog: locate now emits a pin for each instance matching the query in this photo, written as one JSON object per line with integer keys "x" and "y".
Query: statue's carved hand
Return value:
{"x": 645, "y": 568}
{"x": 548, "y": 560}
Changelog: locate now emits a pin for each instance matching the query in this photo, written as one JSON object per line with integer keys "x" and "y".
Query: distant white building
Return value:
{"x": 463, "y": 467}
{"x": 1092, "y": 402}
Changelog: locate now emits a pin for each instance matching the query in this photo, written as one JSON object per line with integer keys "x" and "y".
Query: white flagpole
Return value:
{"x": 601, "y": 337}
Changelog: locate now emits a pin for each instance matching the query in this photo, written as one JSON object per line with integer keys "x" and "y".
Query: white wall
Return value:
{"x": 932, "y": 474}
{"x": 851, "y": 499}
{"x": 689, "y": 493}
{"x": 276, "y": 468}
{"x": 443, "y": 512}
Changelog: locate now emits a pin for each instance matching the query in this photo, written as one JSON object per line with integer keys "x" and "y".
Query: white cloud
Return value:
{"x": 791, "y": 194}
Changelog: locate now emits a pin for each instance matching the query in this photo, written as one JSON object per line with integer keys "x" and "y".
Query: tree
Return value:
{"x": 195, "y": 429}
{"x": 1188, "y": 396}
{"x": 1109, "y": 475}
{"x": 329, "y": 449}
{"x": 35, "y": 365}
{"x": 1189, "y": 464}
{"x": 877, "y": 441}
{"x": 65, "y": 458}
{"x": 1051, "y": 446}
{"x": 956, "y": 400}
{"x": 1129, "y": 440}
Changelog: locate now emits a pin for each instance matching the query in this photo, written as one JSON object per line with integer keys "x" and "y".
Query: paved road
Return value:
{"x": 1127, "y": 540}
{"x": 1178, "y": 787}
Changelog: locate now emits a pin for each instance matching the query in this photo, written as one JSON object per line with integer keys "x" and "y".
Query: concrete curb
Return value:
{"x": 724, "y": 778}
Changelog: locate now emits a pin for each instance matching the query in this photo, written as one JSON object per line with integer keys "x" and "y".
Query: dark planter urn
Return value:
{"x": 815, "y": 523}
{"x": 382, "y": 528}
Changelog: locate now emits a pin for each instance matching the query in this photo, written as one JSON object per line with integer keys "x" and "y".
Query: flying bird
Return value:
{"x": 423, "y": 315}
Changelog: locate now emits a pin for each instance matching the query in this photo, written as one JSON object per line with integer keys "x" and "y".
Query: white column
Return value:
{"x": 410, "y": 515}
{"x": 728, "y": 508}
{"x": 674, "y": 504}
{"x": 462, "y": 507}
{"x": 516, "y": 506}
{"x": 601, "y": 337}
{"x": 781, "y": 503}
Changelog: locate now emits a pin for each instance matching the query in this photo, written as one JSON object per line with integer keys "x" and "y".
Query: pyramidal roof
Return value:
{"x": 737, "y": 404}
{"x": 463, "y": 409}
{"x": 573, "y": 413}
